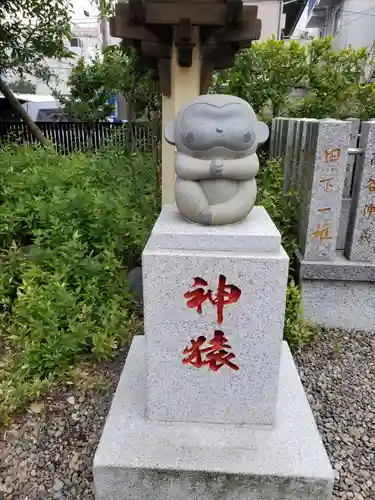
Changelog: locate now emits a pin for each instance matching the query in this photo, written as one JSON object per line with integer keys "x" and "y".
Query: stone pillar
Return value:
{"x": 198, "y": 267}
{"x": 361, "y": 226}
{"x": 281, "y": 131}
{"x": 185, "y": 84}
{"x": 322, "y": 188}
{"x": 273, "y": 138}
{"x": 294, "y": 164}
{"x": 287, "y": 161}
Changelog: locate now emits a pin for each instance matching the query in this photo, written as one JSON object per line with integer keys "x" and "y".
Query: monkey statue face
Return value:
{"x": 216, "y": 137}
{"x": 216, "y": 125}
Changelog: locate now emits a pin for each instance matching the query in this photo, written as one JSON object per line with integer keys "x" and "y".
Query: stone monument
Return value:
{"x": 210, "y": 404}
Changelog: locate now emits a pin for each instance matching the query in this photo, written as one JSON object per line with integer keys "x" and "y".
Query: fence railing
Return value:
{"x": 331, "y": 166}
{"x": 84, "y": 136}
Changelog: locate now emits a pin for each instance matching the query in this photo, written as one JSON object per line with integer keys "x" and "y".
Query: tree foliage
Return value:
{"x": 31, "y": 32}
{"x": 266, "y": 74}
{"x": 332, "y": 79}
{"x": 23, "y": 86}
{"x": 117, "y": 70}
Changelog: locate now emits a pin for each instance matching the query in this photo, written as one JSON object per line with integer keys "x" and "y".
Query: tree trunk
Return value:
{"x": 18, "y": 108}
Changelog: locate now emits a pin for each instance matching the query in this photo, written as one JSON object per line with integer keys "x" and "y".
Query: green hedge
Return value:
{"x": 70, "y": 227}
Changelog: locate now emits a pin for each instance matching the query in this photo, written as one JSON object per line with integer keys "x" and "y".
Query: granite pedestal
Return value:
{"x": 339, "y": 293}
{"x": 139, "y": 459}
{"x": 187, "y": 271}
{"x": 210, "y": 404}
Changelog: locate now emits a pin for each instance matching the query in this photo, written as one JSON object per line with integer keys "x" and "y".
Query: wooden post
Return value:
{"x": 185, "y": 85}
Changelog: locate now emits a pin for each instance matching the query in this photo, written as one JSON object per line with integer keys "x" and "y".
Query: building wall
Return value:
{"x": 350, "y": 22}
{"x": 354, "y": 24}
{"x": 84, "y": 27}
{"x": 270, "y": 12}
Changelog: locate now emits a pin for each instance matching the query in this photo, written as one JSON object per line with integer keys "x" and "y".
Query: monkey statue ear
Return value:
{"x": 169, "y": 133}
{"x": 262, "y": 132}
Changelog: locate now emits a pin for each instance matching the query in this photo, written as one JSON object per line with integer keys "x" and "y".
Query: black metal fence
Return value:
{"x": 83, "y": 136}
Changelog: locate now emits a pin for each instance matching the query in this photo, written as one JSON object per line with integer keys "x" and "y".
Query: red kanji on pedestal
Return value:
{"x": 225, "y": 294}
{"x": 214, "y": 357}
{"x": 198, "y": 296}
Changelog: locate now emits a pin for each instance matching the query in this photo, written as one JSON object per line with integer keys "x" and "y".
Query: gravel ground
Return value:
{"x": 47, "y": 453}
{"x": 338, "y": 372}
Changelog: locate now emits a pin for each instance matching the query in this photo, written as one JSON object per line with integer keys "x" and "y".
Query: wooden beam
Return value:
{"x": 206, "y": 14}
{"x": 165, "y": 77}
{"x": 147, "y": 62}
{"x": 196, "y": 2}
{"x": 234, "y": 11}
{"x": 121, "y": 27}
{"x": 137, "y": 11}
{"x": 155, "y": 50}
{"x": 225, "y": 62}
{"x": 207, "y": 67}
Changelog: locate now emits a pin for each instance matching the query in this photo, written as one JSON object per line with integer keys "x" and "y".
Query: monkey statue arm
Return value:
{"x": 240, "y": 169}
{"x": 191, "y": 201}
{"x": 195, "y": 169}
{"x": 237, "y": 207}
{"x": 190, "y": 168}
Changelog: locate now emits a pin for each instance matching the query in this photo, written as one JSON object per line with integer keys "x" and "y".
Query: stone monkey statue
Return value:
{"x": 216, "y": 137}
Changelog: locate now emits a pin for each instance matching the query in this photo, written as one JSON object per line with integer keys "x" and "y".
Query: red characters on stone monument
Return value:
{"x": 214, "y": 356}
{"x": 225, "y": 294}
{"x": 332, "y": 155}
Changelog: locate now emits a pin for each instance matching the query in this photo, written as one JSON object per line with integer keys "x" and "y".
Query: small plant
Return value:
{"x": 297, "y": 331}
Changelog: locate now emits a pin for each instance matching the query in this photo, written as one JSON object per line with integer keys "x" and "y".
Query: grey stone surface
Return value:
{"x": 322, "y": 189}
{"x": 253, "y": 325}
{"x": 339, "y": 304}
{"x": 361, "y": 226}
{"x": 295, "y": 161}
{"x": 143, "y": 460}
{"x": 338, "y": 269}
{"x": 289, "y": 152}
{"x": 306, "y": 154}
{"x": 353, "y": 141}
{"x": 284, "y": 124}
{"x": 304, "y": 174}
{"x": 257, "y": 233}
{"x": 273, "y": 137}
{"x": 279, "y": 130}
{"x": 216, "y": 137}
{"x": 343, "y": 224}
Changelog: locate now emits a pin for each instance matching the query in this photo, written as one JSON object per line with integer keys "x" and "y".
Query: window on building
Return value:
{"x": 76, "y": 42}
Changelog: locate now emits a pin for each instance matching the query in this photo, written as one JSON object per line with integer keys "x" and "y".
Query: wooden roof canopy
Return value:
{"x": 152, "y": 26}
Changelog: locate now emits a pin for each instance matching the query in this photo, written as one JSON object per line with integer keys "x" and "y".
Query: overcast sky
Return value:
{"x": 82, "y": 6}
